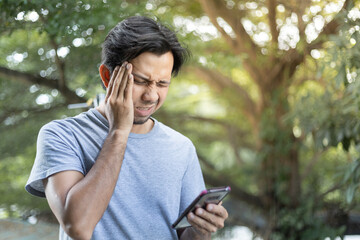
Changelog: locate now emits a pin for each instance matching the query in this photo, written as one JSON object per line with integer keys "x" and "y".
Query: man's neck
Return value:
{"x": 143, "y": 128}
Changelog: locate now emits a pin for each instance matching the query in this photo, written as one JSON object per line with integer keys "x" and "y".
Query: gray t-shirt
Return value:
{"x": 159, "y": 177}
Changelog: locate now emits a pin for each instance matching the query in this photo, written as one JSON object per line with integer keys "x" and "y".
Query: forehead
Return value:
{"x": 154, "y": 65}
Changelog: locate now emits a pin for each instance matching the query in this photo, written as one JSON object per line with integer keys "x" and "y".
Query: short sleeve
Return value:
{"x": 192, "y": 183}
{"x": 56, "y": 151}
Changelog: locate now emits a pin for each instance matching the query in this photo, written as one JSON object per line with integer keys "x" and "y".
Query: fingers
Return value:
{"x": 218, "y": 210}
{"x": 119, "y": 82}
{"x": 201, "y": 222}
{"x": 209, "y": 220}
{"x": 111, "y": 83}
{"x": 124, "y": 80}
{"x": 129, "y": 87}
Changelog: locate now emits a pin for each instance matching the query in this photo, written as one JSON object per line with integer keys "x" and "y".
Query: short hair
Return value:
{"x": 136, "y": 35}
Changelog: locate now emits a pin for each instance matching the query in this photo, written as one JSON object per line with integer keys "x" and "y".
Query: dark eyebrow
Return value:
{"x": 148, "y": 80}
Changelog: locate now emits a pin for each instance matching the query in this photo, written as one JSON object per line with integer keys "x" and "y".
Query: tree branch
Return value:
{"x": 232, "y": 43}
{"x": 27, "y": 78}
{"x": 309, "y": 167}
{"x": 60, "y": 64}
{"x": 293, "y": 57}
{"x": 331, "y": 28}
{"x": 32, "y": 110}
{"x": 243, "y": 214}
{"x": 272, "y": 20}
{"x": 237, "y": 192}
{"x": 243, "y": 208}
{"x": 220, "y": 83}
{"x": 182, "y": 116}
{"x": 242, "y": 43}
{"x": 234, "y": 144}
{"x": 299, "y": 10}
{"x": 33, "y": 113}
{"x": 233, "y": 134}
{"x": 214, "y": 9}
{"x": 331, "y": 189}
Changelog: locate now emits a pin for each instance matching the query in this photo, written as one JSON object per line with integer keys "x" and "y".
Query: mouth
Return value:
{"x": 143, "y": 111}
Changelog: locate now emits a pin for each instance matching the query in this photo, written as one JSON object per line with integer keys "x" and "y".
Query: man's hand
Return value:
{"x": 79, "y": 201}
{"x": 207, "y": 221}
{"x": 119, "y": 108}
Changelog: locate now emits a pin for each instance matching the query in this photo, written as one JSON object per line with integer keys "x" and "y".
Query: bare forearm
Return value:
{"x": 87, "y": 201}
{"x": 79, "y": 201}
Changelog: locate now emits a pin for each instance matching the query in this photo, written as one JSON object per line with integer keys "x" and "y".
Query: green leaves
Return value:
{"x": 294, "y": 120}
{"x": 300, "y": 223}
{"x": 352, "y": 180}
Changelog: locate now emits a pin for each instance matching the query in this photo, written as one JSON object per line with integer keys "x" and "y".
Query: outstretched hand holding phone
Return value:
{"x": 205, "y": 214}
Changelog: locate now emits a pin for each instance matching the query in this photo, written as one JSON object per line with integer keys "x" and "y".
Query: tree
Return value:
{"x": 278, "y": 43}
{"x": 274, "y": 117}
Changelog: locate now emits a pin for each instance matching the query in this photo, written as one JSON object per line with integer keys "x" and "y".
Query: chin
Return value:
{"x": 141, "y": 120}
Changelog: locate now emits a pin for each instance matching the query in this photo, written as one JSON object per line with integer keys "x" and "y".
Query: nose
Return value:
{"x": 150, "y": 94}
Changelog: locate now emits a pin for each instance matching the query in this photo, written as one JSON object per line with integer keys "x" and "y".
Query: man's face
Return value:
{"x": 152, "y": 75}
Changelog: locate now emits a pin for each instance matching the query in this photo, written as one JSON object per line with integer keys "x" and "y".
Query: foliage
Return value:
{"x": 300, "y": 224}
{"x": 287, "y": 138}
{"x": 41, "y": 38}
{"x": 15, "y": 203}
{"x": 338, "y": 121}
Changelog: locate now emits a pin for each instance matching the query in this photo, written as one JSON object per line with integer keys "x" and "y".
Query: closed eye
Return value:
{"x": 163, "y": 84}
{"x": 140, "y": 81}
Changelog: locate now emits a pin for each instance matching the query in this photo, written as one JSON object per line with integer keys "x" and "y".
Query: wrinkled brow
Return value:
{"x": 148, "y": 80}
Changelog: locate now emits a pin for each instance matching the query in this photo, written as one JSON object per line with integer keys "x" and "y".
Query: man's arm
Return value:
{"x": 204, "y": 222}
{"x": 78, "y": 201}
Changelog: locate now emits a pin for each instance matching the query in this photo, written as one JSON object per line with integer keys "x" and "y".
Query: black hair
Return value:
{"x": 139, "y": 34}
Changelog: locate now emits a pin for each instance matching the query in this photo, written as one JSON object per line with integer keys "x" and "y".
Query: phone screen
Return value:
{"x": 212, "y": 195}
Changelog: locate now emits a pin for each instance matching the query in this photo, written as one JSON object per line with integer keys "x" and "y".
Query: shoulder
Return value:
{"x": 65, "y": 126}
{"x": 54, "y": 132}
{"x": 174, "y": 135}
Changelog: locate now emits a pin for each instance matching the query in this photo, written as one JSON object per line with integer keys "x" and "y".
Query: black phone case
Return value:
{"x": 212, "y": 195}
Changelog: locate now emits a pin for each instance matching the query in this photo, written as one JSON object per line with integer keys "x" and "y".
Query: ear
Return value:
{"x": 104, "y": 74}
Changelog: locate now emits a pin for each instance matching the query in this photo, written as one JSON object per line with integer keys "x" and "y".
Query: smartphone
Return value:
{"x": 212, "y": 195}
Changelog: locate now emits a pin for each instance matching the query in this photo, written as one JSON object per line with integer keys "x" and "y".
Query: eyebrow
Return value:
{"x": 148, "y": 80}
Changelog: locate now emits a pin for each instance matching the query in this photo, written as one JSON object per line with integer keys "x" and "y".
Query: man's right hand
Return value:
{"x": 79, "y": 201}
{"x": 119, "y": 108}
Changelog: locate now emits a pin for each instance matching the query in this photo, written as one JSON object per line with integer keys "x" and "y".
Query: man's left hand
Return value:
{"x": 209, "y": 220}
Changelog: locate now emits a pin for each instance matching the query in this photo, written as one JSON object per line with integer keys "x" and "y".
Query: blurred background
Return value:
{"x": 270, "y": 98}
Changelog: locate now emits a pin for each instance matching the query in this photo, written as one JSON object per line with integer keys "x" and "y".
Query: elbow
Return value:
{"x": 77, "y": 231}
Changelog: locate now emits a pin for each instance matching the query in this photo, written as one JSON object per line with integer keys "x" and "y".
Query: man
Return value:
{"x": 115, "y": 172}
